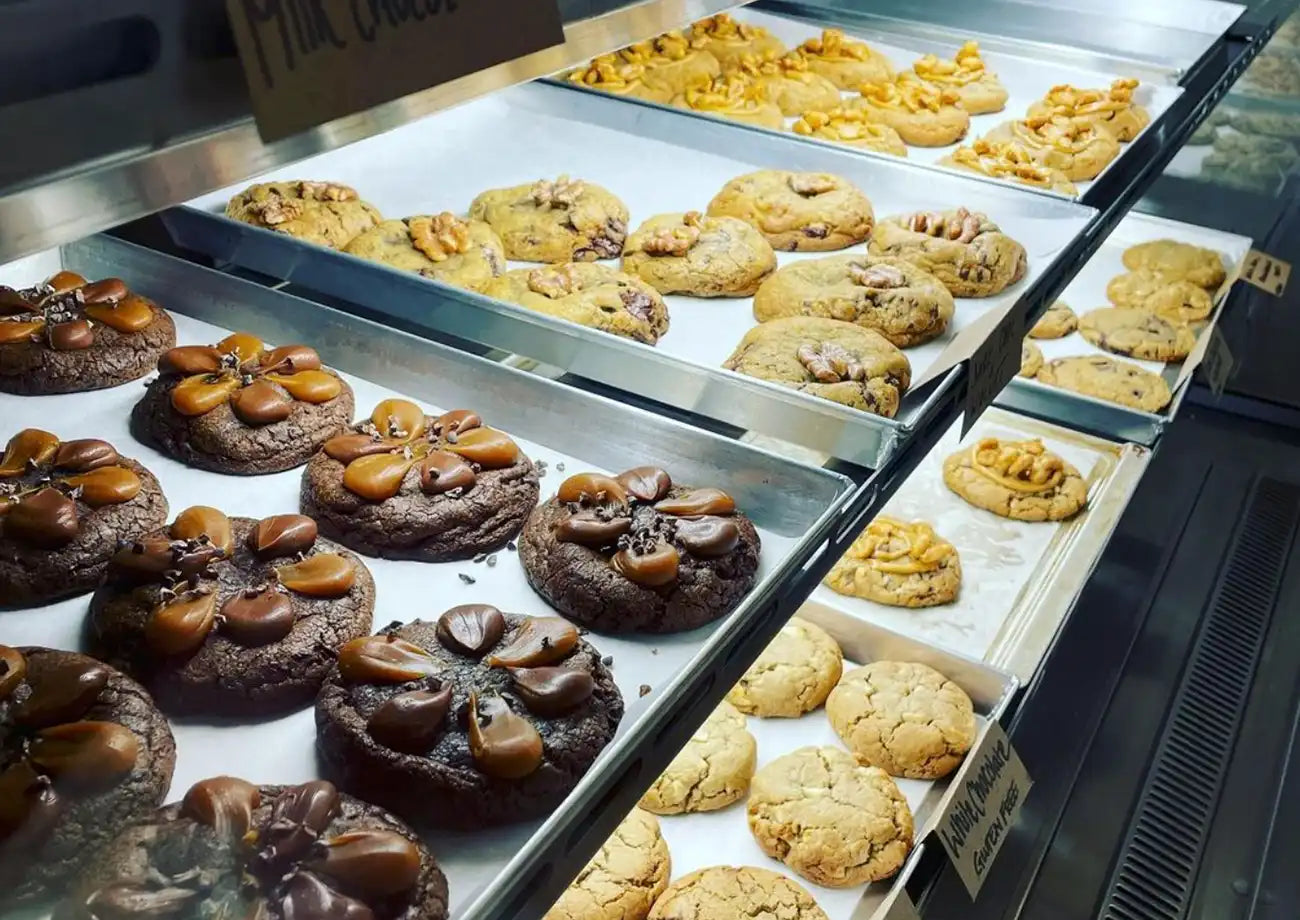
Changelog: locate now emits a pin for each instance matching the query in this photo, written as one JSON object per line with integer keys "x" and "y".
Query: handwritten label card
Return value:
{"x": 1217, "y": 363}
{"x": 1265, "y": 272}
{"x": 993, "y": 363}
{"x": 984, "y": 808}
{"x": 311, "y": 61}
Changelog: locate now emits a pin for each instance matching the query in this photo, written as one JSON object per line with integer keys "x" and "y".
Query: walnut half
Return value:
{"x": 877, "y": 276}
{"x": 961, "y": 226}
{"x": 554, "y": 281}
{"x": 562, "y": 193}
{"x": 676, "y": 241}
{"x": 326, "y": 191}
{"x": 810, "y": 185}
{"x": 439, "y": 237}
{"x": 830, "y": 363}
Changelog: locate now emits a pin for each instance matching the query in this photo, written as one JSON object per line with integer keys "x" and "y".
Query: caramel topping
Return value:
{"x": 84, "y": 454}
{"x": 65, "y": 694}
{"x": 13, "y": 668}
{"x": 471, "y": 629}
{"x": 322, "y": 575}
{"x": 223, "y": 803}
{"x": 257, "y": 617}
{"x": 555, "y": 281}
{"x": 608, "y": 72}
{"x": 20, "y": 330}
{"x": 828, "y": 362}
{"x": 592, "y": 489}
{"x": 1070, "y": 101}
{"x": 28, "y": 449}
{"x": 297, "y": 819}
{"x": 376, "y": 477}
{"x": 833, "y": 43}
{"x": 369, "y": 864}
{"x": 562, "y": 193}
{"x": 107, "y": 290}
{"x": 1021, "y": 466}
{"x": 189, "y": 360}
{"x": 62, "y": 282}
{"x": 348, "y": 447}
{"x": 108, "y": 485}
{"x": 384, "y": 660}
{"x": 551, "y": 692}
{"x": 261, "y": 403}
{"x": 457, "y": 421}
{"x": 1007, "y": 160}
{"x": 645, "y": 483}
{"x": 310, "y": 386}
{"x": 90, "y": 755}
{"x": 46, "y": 519}
{"x": 652, "y": 569}
{"x": 540, "y": 640}
{"x": 589, "y": 528}
{"x": 399, "y": 419}
{"x": 442, "y": 472}
{"x": 489, "y": 448}
{"x": 439, "y": 237}
{"x": 1068, "y": 135}
{"x": 179, "y": 628}
{"x": 131, "y": 315}
{"x": 966, "y": 68}
{"x": 290, "y": 359}
{"x": 200, "y": 394}
{"x": 411, "y": 722}
{"x": 893, "y": 547}
{"x": 724, "y": 28}
{"x": 670, "y": 46}
{"x": 698, "y": 501}
{"x": 840, "y": 124}
{"x": 731, "y": 91}
{"x": 201, "y": 522}
{"x": 243, "y": 346}
{"x": 960, "y": 226}
{"x": 29, "y": 808}
{"x": 708, "y": 537}
{"x": 306, "y": 897}
{"x": 503, "y": 744}
{"x": 70, "y": 336}
{"x": 282, "y": 535}
{"x": 907, "y": 92}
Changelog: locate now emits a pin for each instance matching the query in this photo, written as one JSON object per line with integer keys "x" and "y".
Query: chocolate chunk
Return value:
{"x": 410, "y": 722}
{"x": 224, "y": 803}
{"x": 46, "y": 519}
{"x": 297, "y": 819}
{"x": 708, "y": 537}
{"x": 652, "y": 569}
{"x": 261, "y": 403}
{"x": 257, "y": 617}
{"x": 348, "y": 447}
{"x": 290, "y": 359}
{"x": 129, "y": 901}
{"x": 698, "y": 501}
{"x": 368, "y": 864}
{"x": 13, "y": 668}
{"x": 189, "y": 360}
{"x": 106, "y": 290}
{"x": 539, "y": 641}
{"x": 308, "y": 898}
{"x": 441, "y": 471}
{"x": 282, "y": 535}
{"x": 588, "y": 528}
{"x": 62, "y": 695}
{"x": 550, "y": 692}
{"x": 89, "y": 756}
{"x": 639, "y": 304}
{"x": 73, "y": 335}
{"x": 646, "y": 483}
{"x": 85, "y": 454}
{"x": 504, "y": 745}
{"x": 471, "y": 629}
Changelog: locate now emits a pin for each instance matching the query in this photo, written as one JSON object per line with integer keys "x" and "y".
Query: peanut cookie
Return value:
{"x": 798, "y": 211}
{"x": 1105, "y": 378}
{"x": 729, "y": 40}
{"x": 904, "y": 717}
{"x": 590, "y": 295}
{"x": 324, "y": 213}
{"x": 624, "y": 878}
{"x": 1058, "y": 322}
{"x": 1021, "y": 480}
{"x": 1011, "y": 162}
{"x": 828, "y": 358}
{"x": 672, "y": 62}
{"x": 923, "y": 114}
{"x": 711, "y": 771}
{"x": 1200, "y": 266}
{"x": 834, "y": 821}
{"x": 1031, "y": 358}
{"x": 560, "y": 221}
{"x": 793, "y": 675}
{"x": 846, "y": 62}
{"x": 614, "y": 74}
{"x": 966, "y": 251}
{"x": 704, "y": 256}
{"x": 467, "y": 254}
{"x": 979, "y": 90}
{"x": 727, "y": 893}
{"x": 788, "y": 82}
{"x": 899, "y": 564}
{"x": 853, "y": 127}
{"x": 735, "y": 96}
{"x": 1137, "y": 334}
{"x": 897, "y": 298}
{"x": 1112, "y": 108}
{"x": 1079, "y": 149}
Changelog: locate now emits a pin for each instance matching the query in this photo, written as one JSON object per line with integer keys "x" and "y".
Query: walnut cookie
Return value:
{"x": 1137, "y": 334}
{"x": 845, "y": 61}
{"x": 827, "y": 358}
{"x": 1079, "y": 149}
{"x": 728, "y": 892}
{"x": 1200, "y": 266}
{"x": 1008, "y": 161}
{"x": 702, "y": 256}
{"x": 1021, "y": 480}
{"x": 1106, "y": 378}
{"x": 673, "y": 61}
{"x": 788, "y": 82}
{"x": 625, "y": 877}
{"x": 1031, "y": 359}
{"x": 612, "y": 73}
{"x": 1058, "y": 322}
{"x": 734, "y": 96}
{"x": 853, "y": 127}
{"x": 979, "y": 90}
{"x": 729, "y": 40}
{"x": 711, "y": 771}
{"x": 1112, "y": 109}
{"x": 565, "y": 220}
{"x": 324, "y": 213}
{"x": 591, "y": 295}
{"x": 467, "y": 254}
{"x": 798, "y": 211}
{"x": 966, "y": 251}
{"x": 924, "y": 115}
{"x": 899, "y": 564}
{"x": 896, "y": 298}
{"x": 792, "y": 676}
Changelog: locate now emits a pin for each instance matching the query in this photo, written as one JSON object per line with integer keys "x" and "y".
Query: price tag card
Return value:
{"x": 993, "y": 362}
{"x": 311, "y": 61}
{"x": 1218, "y": 362}
{"x": 984, "y": 807}
{"x": 1265, "y": 272}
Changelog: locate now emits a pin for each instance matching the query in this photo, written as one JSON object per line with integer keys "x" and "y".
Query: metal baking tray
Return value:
{"x": 1087, "y": 291}
{"x": 1019, "y": 579}
{"x": 602, "y": 139}
{"x": 795, "y": 507}
{"x": 1027, "y": 69}
{"x": 703, "y": 839}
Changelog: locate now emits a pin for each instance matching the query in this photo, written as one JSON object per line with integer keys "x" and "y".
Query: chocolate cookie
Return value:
{"x": 63, "y": 507}
{"x": 230, "y": 616}
{"x": 636, "y": 553}
{"x": 240, "y": 407}
{"x": 66, "y": 335}
{"x": 232, "y": 849}
{"x": 405, "y": 485}
{"x": 482, "y": 718}
{"x": 83, "y": 753}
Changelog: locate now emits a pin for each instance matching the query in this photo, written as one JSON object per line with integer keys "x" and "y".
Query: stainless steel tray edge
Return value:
{"x": 1085, "y": 413}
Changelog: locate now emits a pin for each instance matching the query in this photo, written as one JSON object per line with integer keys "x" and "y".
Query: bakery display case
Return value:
{"x": 891, "y": 450}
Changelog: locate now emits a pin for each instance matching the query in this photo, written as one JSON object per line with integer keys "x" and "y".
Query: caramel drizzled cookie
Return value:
{"x": 614, "y": 74}
{"x": 1112, "y": 108}
{"x": 241, "y": 407}
{"x": 230, "y": 848}
{"x": 481, "y": 718}
{"x": 1079, "y": 149}
{"x": 230, "y": 616}
{"x": 590, "y": 295}
{"x": 704, "y": 256}
{"x": 846, "y": 62}
{"x": 324, "y": 213}
{"x": 895, "y": 297}
{"x": 923, "y": 114}
{"x": 1011, "y": 162}
{"x": 68, "y": 335}
{"x": 1137, "y": 334}
{"x": 1021, "y": 480}
{"x": 735, "y": 96}
{"x": 1058, "y": 322}
{"x": 724, "y": 892}
{"x": 406, "y": 485}
{"x": 83, "y": 753}
{"x": 564, "y": 220}
{"x": 1031, "y": 359}
{"x": 1106, "y": 378}
{"x": 729, "y": 40}
{"x": 979, "y": 90}
{"x": 853, "y": 127}
{"x": 898, "y": 563}
{"x": 638, "y": 553}
{"x": 63, "y": 507}
{"x": 788, "y": 81}
{"x": 673, "y": 61}
{"x": 965, "y": 250}
{"x": 464, "y": 253}
{"x": 798, "y": 211}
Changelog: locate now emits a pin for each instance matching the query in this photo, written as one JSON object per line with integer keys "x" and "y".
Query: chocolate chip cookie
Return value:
{"x": 792, "y": 676}
{"x": 68, "y": 335}
{"x": 565, "y": 220}
{"x": 590, "y": 295}
{"x": 1137, "y": 334}
{"x": 728, "y": 892}
{"x": 900, "y": 564}
{"x": 624, "y": 878}
{"x": 1058, "y": 322}
{"x": 405, "y": 485}
{"x": 798, "y": 212}
{"x": 846, "y": 62}
{"x": 1031, "y": 359}
{"x": 638, "y": 553}
{"x": 324, "y": 213}
{"x": 965, "y": 250}
{"x": 83, "y": 753}
{"x": 464, "y": 253}
{"x": 1021, "y": 480}
{"x": 479, "y": 719}
{"x": 704, "y": 256}
{"x": 63, "y": 507}
{"x": 230, "y": 616}
{"x": 242, "y": 407}
{"x": 924, "y": 114}
{"x": 895, "y": 297}
{"x": 230, "y": 848}
{"x": 826, "y": 358}
{"x": 1200, "y": 266}
{"x": 711, "y": 771}
{"x": 1105, "y": 378}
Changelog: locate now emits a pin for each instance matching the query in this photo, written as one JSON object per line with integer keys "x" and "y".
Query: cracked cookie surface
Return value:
{"x": 711, "y": 771}
{"x": 1058, "y": 322}
{"x": 324, "y": 213}
{"x": 1106, "y": 378}
{"x": 467, "y": 254}
{"x": 798, "y": 211}
{"x": 1137, "y": 334}
{"x": 559, "y": 220}
{"x": 793, "y": 675}
{"x": 1021, "y": 480}
{"x": 1196, "y": 264}
{"x": 729, "y": 892}
{"x": 834, "y": 821}
{"x": 625, "y": 877}
{"x": 899, "y": 564}
{"x": 965, "y": 250}
{"x": 591, "y": 295}
{"x": 703, "y": 256}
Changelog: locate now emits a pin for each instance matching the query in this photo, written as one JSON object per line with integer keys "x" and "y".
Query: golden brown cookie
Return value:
{"x": 793, "y": 675}
{"x": 443, "y": 247}
{"x": 1132, "y": 289}
{"x": 1184, "y": 261}
{"x": 846, "y": 62}
{"x": 979, "y": 90}
{"x": 923, "y": 114}
{"x": 789, "y": 82}
{"x": 854, "y": 127}
{"x": 1137, "y": 334}
{"x": 1058, "y": 322}
{"x": 1021, "y": 480}
{"x": 614, "y": 74}
{"x": 711, "y": 771}
{"x": 672, "y": 62}
{"x": 1112, "y": 108}
{"x": 1079, "y": 149}
{"x": 798, "y": 211}
{"x": 590, "y": 295}
{"x": 966, "y": 251}
{"x": 704, "y": 256}
{"x": 904, "y": 717}
{"x": 1010, "y": 162}
{"x": 1031, "y": 358}
{"x": 1180, "y": 302}
{"x": 899, "y": 564}
{"x": 735, "y": 96}
{"x": 1106, "y": 378}
{"x": 565, "y": 220}
{"x": 324, "y": 213}
{"x": 729, "y": 40}
{"x": 624, "y": 878}
{"x": 834, "y": 821}
{"x": 729, "y": 893}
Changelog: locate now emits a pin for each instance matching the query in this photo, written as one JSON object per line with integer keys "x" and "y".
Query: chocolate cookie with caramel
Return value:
{"x": 405, "y": 485}
{"x": 230, "y": 616}
{"x": 232, "y": 849}
{"x": 67, "y": 335}
{"x": 480, "y": 718}
{"x": 638, "y": 553}
{"x": 241, "y": 406}
{"x": 63, "y": 507}
{"x": 83, "y": 753}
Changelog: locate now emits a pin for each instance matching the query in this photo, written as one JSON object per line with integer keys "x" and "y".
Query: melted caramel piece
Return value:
{"x": 202, "y": 393}
{"x": 652, "y": 570}
{"x": 966, "y": 67}
{"x": 398, "y": 419}
{"x": 646, "y": 483}
{"x": 348, "y": 447}
{"x": 910, "y": 94}
{"x": 376, "y": 477}
{"x": 62, "y": 282}
{"x": 46, "y": 519}
{"x": 539, "y": 641}
{"x": 90, "y": 755}
{"x": 592, "y": 488}
{"x": 64, "y": 694}
{"x": 201, "y": 521}
{"x": 242, "y": 345}
{"x": 224, "y": 803}
{"x": 108, "y": 485}
{"x": 188, "y": 360}
{"x": 609, "y": 72}
{"x": 322, "y": 575}
{"x": 489, "y": 448}
{"x": 131, "y": 315}
{"x": 503, "y": 744}
{"x": 370, "y": 864}
{"x": 456, "y": 421}
{"x": 13, "y": 668}
{"x": 698, "y": 501}
{"x": 551, "y": 692}
{"x": 85, "y": 454}
{"x": 1021, "y": 466}
{"x": 261, "y": 403}
{"x": 21, "y": 331}
{"x": 384, "y": 660}
{"x": 587, "y": 528}
{"x": 441, "y": 472}
{"x": 107, "y": 290}
{"x": 29, "y": 807}
{"x": 896, "y": 548}
{"x": 833, "y": 43}
{"x": 179, "y": 628}
{"x": 310, "y": 386}
{"x": 471, "y": 629}
{"x": 291, "y": 359}
{"x": 708, "y": 537}
{"x": 411, "y": 722}
{"x": 731, "y": 91}
{"x": 282, "y": 535}
{"x": 29, "y": 448}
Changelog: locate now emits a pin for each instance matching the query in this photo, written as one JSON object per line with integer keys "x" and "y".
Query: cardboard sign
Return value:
{"x": 993, "y": 362}
{"x": 311, "y": 61}
{"x": 984, "y": 807}
{"x": 1265, "y": 272}
{"x": 1218, "y": 362}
